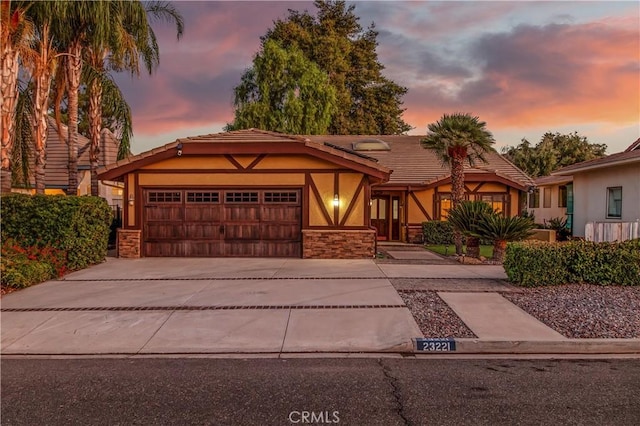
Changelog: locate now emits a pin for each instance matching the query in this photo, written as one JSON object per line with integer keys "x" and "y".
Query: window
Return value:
{"x": 165, "y": 197}
{"x": 614, "y": 202}
{"x": 546, "y": 202}
{"x": 281, "y": 197}
{"x": 562, "y": 196}
{"x": 241, "y": 197}
{"x": 496, "y": 201}
{"x": 534, "y": 199}
{"x": 445, "y": 205}
{"x": 203, "y": 197}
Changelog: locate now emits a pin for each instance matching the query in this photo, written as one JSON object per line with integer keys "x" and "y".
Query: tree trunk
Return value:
{"x": 473, "y": 247}
{"x": 458, "y": 155}
{"x": 73, "y": 70}
{"x": 499, "y": 247}
{"x": 95, "y": 124}
{"x": 43, "y": 70}
{"x": 9, "y": 95}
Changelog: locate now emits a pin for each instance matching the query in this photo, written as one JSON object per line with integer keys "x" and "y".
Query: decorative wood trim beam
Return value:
{"x": 323, "y": 208}
{"x": 233, "y": 161}
{"x": 255, "y": 162}
{"x": 420, "y": 206}
{"x": 353, "y": 202}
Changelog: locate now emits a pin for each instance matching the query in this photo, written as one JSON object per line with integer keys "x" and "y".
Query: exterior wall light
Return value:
{"x": 179, "y": 147}
{"x": 336, "y": 201}
{"x": 131, "y": 199}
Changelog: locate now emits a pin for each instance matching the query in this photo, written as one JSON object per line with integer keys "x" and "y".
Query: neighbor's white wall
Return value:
{"x": 590, "y": 195}
{"x": 541, "y": 213}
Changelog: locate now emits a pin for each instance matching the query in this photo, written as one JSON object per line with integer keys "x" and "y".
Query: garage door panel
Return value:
{"x": 165, "y": 231}
{"x": 164, "y": 213}
{"x": 202, "y": 213}
{"x": 164, "y": 249}
{"x": 212, "y": 223}
{"x": 279, "y": 232}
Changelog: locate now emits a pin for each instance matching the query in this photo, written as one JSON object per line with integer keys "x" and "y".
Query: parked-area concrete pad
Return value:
{"x": 350, "y": 330}
{"x": 442, "y": 271}
{"x": 491, "y": 316}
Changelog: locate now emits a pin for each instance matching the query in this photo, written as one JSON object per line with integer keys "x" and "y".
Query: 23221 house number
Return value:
{"x": 436, "y": 345}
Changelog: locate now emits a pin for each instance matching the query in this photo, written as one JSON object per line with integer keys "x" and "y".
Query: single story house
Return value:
{"x": 550, "y": 198}
{"x": 57, "y": 165}
{"x": 258, "y": 193}
{"x": 606, "y": 194}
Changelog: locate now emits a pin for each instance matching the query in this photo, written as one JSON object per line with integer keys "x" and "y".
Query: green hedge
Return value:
{"x": 437, "y": 232}
{"x": 536, "y": 263}
{"x": 78, "y": 226}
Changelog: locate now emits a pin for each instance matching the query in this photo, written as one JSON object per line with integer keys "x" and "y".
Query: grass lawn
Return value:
{"x": 486, "y": 251}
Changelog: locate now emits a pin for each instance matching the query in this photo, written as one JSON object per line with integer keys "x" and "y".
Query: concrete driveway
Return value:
{"x": 170, "y": 305}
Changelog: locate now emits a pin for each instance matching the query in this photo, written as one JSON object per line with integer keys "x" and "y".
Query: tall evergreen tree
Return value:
{"x": 366, "y": 101}
{"x": 284, "y": 92}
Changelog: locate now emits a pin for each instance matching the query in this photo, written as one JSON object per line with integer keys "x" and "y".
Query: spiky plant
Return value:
{"x": 465, "y": 218}
{"x": 501, "y": 229}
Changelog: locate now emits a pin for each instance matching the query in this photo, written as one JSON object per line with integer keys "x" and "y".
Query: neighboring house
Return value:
{"x": 257, "y": 193}
{"x": 57, "y": 165}
{"x": 550, "y": 197}
{"x": 606, "y": 191}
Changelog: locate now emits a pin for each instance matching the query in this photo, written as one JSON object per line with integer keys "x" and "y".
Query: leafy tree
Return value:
{"x": 284, "y": 92}
{"x": 457, "y": 138}
{"x": 554, "y": 150}
{"x": 366, "y": 101}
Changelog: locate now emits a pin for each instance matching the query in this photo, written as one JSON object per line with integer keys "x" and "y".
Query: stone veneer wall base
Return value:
{"x": 129, "y": 243}
{"x": 338, "y": 244}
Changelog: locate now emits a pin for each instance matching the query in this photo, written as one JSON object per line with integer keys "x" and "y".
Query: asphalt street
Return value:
{"x": 387, "y": 391}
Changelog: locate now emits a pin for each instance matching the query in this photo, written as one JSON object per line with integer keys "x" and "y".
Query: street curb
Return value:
{"x": 568, "y": 346}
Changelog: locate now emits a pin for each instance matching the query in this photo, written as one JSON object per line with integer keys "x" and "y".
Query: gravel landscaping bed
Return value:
{"x": 434, "y": 317}
{"x": 584, "y": 311}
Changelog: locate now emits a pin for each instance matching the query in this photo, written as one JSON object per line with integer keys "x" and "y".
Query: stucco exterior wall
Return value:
{"x": 590, "y": 195}
{"x": 543, "y": 214}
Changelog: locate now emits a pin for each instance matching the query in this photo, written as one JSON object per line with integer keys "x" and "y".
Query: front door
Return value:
{"x": 385, "y": 216}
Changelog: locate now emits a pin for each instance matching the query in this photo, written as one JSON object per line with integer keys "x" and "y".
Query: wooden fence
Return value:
{"x": 611, "y": 231}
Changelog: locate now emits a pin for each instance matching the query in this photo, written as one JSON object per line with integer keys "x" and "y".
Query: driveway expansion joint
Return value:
{"x": 198, "y": 308}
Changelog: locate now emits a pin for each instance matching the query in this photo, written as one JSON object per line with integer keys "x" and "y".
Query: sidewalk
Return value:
{"x": 266, "y": 306}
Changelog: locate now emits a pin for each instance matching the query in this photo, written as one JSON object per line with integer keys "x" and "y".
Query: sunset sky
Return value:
{"x": 524, "y": 67}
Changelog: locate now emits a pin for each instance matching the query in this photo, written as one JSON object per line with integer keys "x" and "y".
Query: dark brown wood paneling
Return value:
{"x": 222, "y": 222}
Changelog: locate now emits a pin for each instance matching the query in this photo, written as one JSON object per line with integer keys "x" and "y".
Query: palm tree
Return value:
{"x": 41, "y": 64}
{"x": 16, "y": 34}
{"x": 465, "y": 218}
{"x": 502, "y": 229}
{"x": 84, "y": 22}
{"x": 457, "y": 138}
{"x": 131, "y": 38}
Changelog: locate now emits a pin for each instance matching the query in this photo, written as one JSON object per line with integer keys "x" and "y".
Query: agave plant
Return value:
{"x": 465, "y": 218}
{"x": 502, "y": 229}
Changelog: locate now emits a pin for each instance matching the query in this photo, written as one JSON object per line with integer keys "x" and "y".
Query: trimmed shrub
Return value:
{"x": 438, "y": 232}
{"x": 536, "y": 263}
{"x": 78, "y": 226}
{"x": 22, "y": 267}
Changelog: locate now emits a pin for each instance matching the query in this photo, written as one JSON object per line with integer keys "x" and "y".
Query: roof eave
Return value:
{"x": 572, "y": 170}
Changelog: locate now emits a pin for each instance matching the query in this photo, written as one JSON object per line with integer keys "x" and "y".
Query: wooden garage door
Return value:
{"x": 219, "y": 223}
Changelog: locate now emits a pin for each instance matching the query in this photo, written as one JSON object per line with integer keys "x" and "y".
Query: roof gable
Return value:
{"x": 415, "y": 166}
{"x": 249, "y": 141}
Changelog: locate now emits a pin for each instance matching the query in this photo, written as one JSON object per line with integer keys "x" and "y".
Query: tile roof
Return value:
{"x": 629, "y": 156}
{"x": 552, "y": 180}
{"x": 414, "y": 165}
